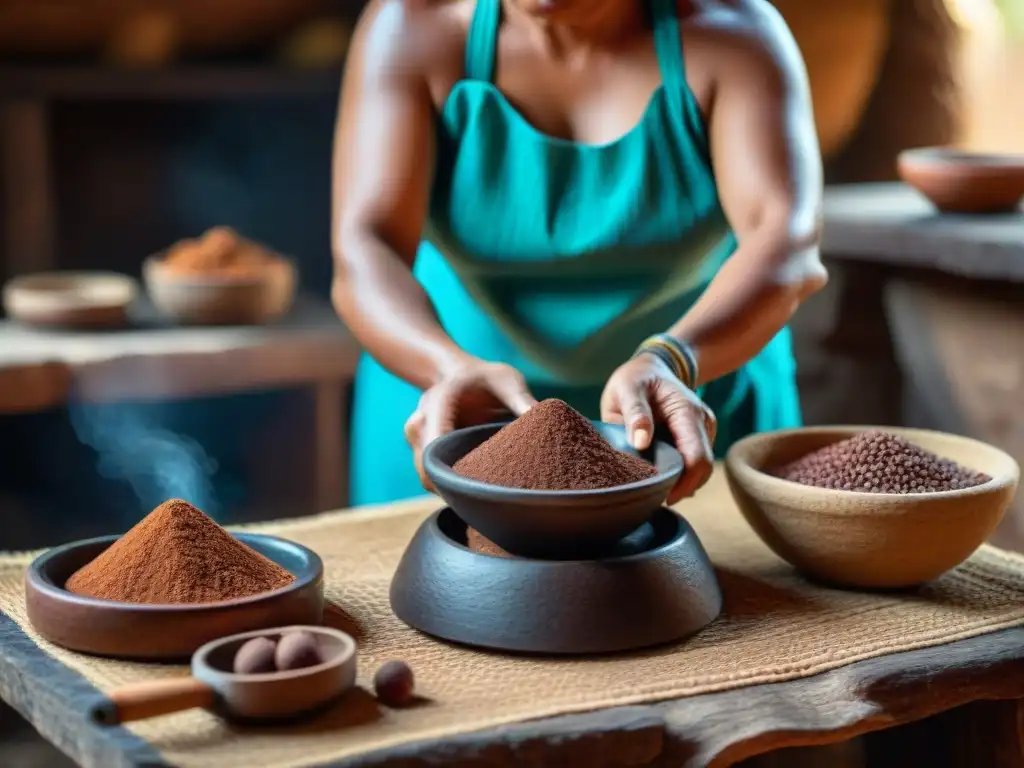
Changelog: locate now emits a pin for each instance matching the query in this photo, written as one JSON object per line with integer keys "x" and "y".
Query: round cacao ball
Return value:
{"x": 394, "y": 684}
{"x": 255, "y": 657}
{"x": 297, "y": 650}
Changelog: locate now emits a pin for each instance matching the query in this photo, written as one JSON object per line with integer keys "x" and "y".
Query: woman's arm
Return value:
{"x": 767, "y": 163}
{"x": 384, "y": 150}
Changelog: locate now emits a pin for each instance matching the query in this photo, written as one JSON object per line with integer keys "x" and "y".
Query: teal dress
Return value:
{"x": 559, "y": 258}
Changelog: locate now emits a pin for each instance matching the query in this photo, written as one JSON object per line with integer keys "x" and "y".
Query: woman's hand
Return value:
{"x": 476, "y": 392}
{"x": 644, "y": 392}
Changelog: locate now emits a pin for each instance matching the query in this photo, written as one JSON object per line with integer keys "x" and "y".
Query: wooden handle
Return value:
{"x": 144, "y": 700}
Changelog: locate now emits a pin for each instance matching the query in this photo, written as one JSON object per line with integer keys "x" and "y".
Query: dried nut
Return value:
{"x": 297, "y": 650}
{"x": 394, "y": 684}
{"x": 255, "y": 657}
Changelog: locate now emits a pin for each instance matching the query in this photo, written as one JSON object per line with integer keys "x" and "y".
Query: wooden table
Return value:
{"x": 873, "y": 234}
{"x": 928, "y": 318}
{"x": 310, "y": 348}
{"x": 968, "y": 690}
{"x": 893, "y": 225}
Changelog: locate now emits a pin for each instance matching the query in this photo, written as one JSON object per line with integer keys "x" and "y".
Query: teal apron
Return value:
{"x": 558, "y": 258}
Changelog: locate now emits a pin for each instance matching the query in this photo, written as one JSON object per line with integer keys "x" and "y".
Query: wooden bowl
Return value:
{"x": 964, "y": 182}
{"x": 70, "y": 299}
{"x": 164, "y": 632}
{"x": 247, "y": 698}
{"x": 656, "y": 586}
{"x": 550, "y": 523}
{"x": 871, "y": 540}
{"x": 221, "y": 299}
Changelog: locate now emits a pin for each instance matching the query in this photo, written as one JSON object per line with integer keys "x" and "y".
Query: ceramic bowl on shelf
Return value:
{"x": 957, "y": 181}
{"x": 550, "y": 523}
{"x": 164, "y": 632}
{"x": 212, "y": 298}
{"x": 85, "y": 300}
{"x": 870, "y": 540}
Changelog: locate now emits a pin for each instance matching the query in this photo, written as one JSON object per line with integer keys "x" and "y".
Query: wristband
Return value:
{"x": 679, "y": 356}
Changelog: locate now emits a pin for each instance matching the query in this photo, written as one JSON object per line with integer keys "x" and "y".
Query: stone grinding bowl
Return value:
{"x": 550, "y": 523}
{"x": 868, "y": 540}
{"x": 955, "y": 181}
{"x": 79, "y": 300}
{"x": 147, "y": 632}
{"x": 221, "y": 299}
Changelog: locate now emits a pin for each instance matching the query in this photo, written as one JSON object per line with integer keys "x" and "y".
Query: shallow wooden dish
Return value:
{"x": 248, "y": 698}
{"x": 964, "y": 182}
{"x": 868, "y": 540}
{"x": 550, "y": 523}
{"x": 70, "y": 299}
{"x": 214, "y": 299}
{"x": 164, "y": 632}
{"x": 654, "y": 587}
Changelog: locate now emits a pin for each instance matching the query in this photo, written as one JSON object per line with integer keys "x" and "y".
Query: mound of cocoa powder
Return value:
{"x": 176, "y": 554}
{"x": 551, "y": 447}
{"x": 477, "y": 542}
{"x": 879, "y": 462}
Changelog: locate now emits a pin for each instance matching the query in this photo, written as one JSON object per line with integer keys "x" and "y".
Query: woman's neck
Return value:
{"x": 567, "y": 26}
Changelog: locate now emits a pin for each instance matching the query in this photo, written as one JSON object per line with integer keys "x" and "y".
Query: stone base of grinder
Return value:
{"x": 655, "y": 586}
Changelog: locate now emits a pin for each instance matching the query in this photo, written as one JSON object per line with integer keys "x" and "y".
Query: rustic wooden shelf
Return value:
{"x": 891, "y": 224}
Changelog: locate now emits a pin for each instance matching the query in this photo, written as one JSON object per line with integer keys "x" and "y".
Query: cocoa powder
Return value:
{"x": 879, "y": 462}
{"x": 477, "y": 542}
{"x": 220, "y": 251}
{"x": 551, "y": 447}
{"x": 176, "y": 554}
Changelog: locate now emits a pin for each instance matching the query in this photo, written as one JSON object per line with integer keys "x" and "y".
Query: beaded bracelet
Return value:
{"x": 678, "y": 355}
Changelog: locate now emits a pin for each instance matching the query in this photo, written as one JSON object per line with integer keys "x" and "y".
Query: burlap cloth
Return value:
{"x": 775, "y": 627}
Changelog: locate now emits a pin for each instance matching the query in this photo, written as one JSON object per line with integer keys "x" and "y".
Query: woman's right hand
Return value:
{"x": 476, "y": 392}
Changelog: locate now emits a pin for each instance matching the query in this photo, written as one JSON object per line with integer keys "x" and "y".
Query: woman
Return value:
{"x": 526, "y": 190}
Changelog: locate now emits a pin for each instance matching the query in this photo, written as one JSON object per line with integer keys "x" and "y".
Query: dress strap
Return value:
{"x": 482, "y": 42}
{"x": 668, "y": 45}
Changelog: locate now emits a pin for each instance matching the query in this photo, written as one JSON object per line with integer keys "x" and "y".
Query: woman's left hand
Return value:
{"x": 644, "y": 392}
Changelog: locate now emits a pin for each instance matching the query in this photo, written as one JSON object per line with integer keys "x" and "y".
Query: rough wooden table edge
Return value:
{"x": 664, "y": 733}
{"x": 35, "y": 685}
{"x": 933, "y": 241}
{"x": 274, "y": 360}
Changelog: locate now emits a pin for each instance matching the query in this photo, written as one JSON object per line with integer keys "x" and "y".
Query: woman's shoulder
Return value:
{"x": 422, "y": 36}
{"x": 739, "y": 34}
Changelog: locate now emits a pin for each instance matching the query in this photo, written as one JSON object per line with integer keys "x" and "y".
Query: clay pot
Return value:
{"x": 965, "y": 182}
{"x": 843, "y": 43}
{"x": 871, "y": 540}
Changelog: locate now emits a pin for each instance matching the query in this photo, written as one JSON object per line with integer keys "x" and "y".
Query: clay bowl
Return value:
{"x": 964, "y": 182}
{"x": 259, "y": 697}
{"x": 213, "y": 299}
{"x": 654, "y": 586}
{"x": 86, "y": 300}
{"x": 164, "y": 632}
{"x": 868, "y": 540}
{"x": 550, "y": 523}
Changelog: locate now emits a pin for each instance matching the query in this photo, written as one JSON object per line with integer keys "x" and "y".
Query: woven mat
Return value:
{"x": 776, "y": 627}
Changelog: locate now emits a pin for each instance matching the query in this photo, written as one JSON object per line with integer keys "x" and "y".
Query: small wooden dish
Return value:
{"x": 964, "y": 182}
{"x": 247, "y": 698}
{"x": 221, "y": 299}
{"x": 164, "y": 632}
{"x": 87, "y": 300}
{"x": 550, "y": 523}
{"x": 655, "y": 586}
{"x": 871, "y": 540}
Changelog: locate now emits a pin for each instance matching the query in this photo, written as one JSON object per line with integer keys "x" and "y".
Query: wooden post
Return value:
{"x": 28, "y": 214}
